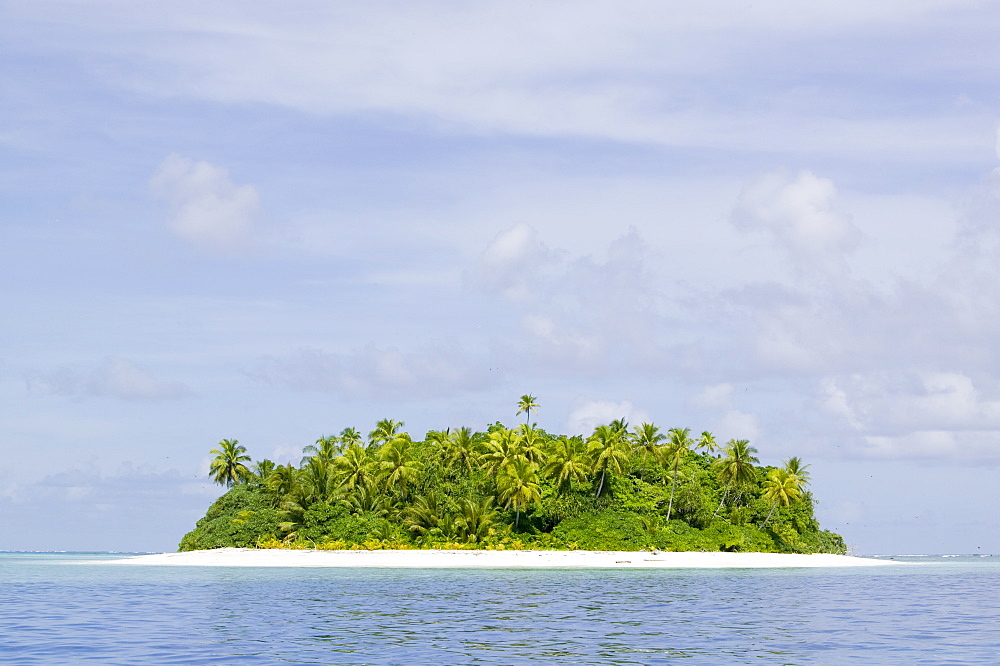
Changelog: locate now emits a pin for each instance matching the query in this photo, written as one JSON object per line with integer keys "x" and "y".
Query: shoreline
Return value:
{"x": 495, "y": 559}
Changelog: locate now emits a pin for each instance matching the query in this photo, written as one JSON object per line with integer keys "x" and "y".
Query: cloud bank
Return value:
{"x": 115, "y": 377}
{"x": 208, "y": 210}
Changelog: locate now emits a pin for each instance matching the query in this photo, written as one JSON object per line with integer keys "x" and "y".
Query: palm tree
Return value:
{"x": 227, "y": 467}
{"x": 366, "y": 499}
{"x": 796, "y": 467}
{"x": 526, "y": 404}
{"x": 354, "y": 467}
{"x": 440, "y": 445}
{"x": 475, "y": 519}
{"x": 609, "y": 453}
{"x": 501, "y": 450}
{"x": 440, "y": 438}
{"x": 621, "y": 425}
{"x": 462, "y": 452}
{"x": 293, "y": 512}
{"x": 707, "y": 442}
{"x": 679, "y": 442}
{"x": 283, "y": 480}
{"x": 424, "y": 515}
{"x": 262, "y": 470}
{"x": 349, "y": 436}
{"x": 647, "y": 438}
{"x": 325, "y": 450}
{"x": 529, "y": 443}
{"x": 518, "y": 486}
{"x": 397, "y": 466}
{"x": 736, "y": 467}
{"x": 781, "y": 487}
{"x": 567, "y": 463}
{"x": 385, "y": 430}
{"x": 318, "y": 477}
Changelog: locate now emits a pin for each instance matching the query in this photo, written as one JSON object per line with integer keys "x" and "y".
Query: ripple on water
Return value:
{"x": 110, "y": 614}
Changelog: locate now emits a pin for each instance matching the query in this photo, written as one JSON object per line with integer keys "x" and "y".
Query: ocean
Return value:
{"x": 66, "y": 608}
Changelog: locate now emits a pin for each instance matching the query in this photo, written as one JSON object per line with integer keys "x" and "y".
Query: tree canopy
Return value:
{"x": 514, "y": 487}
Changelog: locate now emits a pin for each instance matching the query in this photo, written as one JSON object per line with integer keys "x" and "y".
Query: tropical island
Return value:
{"x": 520, "y": 488}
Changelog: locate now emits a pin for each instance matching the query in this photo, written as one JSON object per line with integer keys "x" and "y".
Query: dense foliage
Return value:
{"x": 619, "y": 489}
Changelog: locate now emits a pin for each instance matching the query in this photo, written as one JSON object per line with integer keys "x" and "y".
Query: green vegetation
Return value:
{"x": 514, "y": 488}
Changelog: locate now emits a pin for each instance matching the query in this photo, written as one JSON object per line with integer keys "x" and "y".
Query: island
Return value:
{"x": 622, "y": 489}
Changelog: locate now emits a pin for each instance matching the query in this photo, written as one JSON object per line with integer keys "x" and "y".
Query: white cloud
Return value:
{"x": 737, "y": 424}
{"x": 285, "y": 454}
{"x": 512, "y": 263}
{"x": 895, "y": 402}
{"x": 555, "y": 341}
{"x": 916, "y": 414}
{"x": 921, "y": 444}
{"x": 125, "y": 484}
{"x": 588, "y": 414}
{"x": 727, "y": 421}
{"x": 131, "y": 509}
{"x": 834, "y": 401}
{"x": 114, "y": 378}
{"x": 886, "y": 358}
{"x": 577, "y": 315}
{"x": 441, "y": 368}
{"x": 207, "y": 208}
{"x": 801, "y": 214}
{"x": 633, "y": 71}
{"x": 715, "y": 396}
{"x": 977, "y": 244}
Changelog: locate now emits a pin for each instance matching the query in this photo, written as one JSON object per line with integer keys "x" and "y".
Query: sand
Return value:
{"x": 494, "y": 559}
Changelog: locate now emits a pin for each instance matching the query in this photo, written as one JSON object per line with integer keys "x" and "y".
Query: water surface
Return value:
{"x": 68, "y": 607}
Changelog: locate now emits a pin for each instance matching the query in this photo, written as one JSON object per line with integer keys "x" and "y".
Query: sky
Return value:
{"x": 773, "y": 220}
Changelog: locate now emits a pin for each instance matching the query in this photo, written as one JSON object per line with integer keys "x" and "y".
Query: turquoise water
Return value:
{"x": 70, "y": 608}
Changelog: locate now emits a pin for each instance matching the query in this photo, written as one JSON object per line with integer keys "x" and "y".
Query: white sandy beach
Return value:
{"x": 494, "y": 559}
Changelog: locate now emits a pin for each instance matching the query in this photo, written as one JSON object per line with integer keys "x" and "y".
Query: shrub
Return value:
{"x": 323, "y": 522}
{"x": 607, "y": 530}
{"x": 239, "y": 519}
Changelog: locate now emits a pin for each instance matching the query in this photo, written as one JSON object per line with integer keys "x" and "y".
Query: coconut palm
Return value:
{"x": 424, "y": 515}
{"x": 283, "y": 480}
{"x": 385, "y": 430}
{"x": 325, "y": 450}
{"x": 350, "y": 436}
{"x": 781, "y": 487}
{"x": 354, "y": 468}
{"x": 366, "y": 499}
{"x": 525, "y": 405}
{"x": 440, "y": 439}
{"x": 678, "y": 442}
{"x": 293, "y": 512}
{"x": 462, "y": 451}
{"x": 518, "y": 486}
{"x": 227, "y": 467}
{"x": 262, "y": 470}
{"x": 736, "y": 467}
{"x": 440, "y": 446}
{"x": 609, "y": 452}
{"x": 707, "y": 442}
{"x": 475, "y": 519}
{"x": 646, "y": 438}
{"x": 397, "y": 467}
{"x": 318, "y": 478}
{"x": 567, "y": 463}
{"x": 796, "y": 467}
{"x": 502, "y": 449}
{"x": 530, "y": 443}
{"x": 621, "y": 425}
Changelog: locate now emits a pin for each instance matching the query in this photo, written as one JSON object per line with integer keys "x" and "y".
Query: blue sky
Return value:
{"x": 771, "y": 220}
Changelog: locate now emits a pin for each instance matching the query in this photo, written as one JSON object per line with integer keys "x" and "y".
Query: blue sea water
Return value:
{"x": 58, "y": 608}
